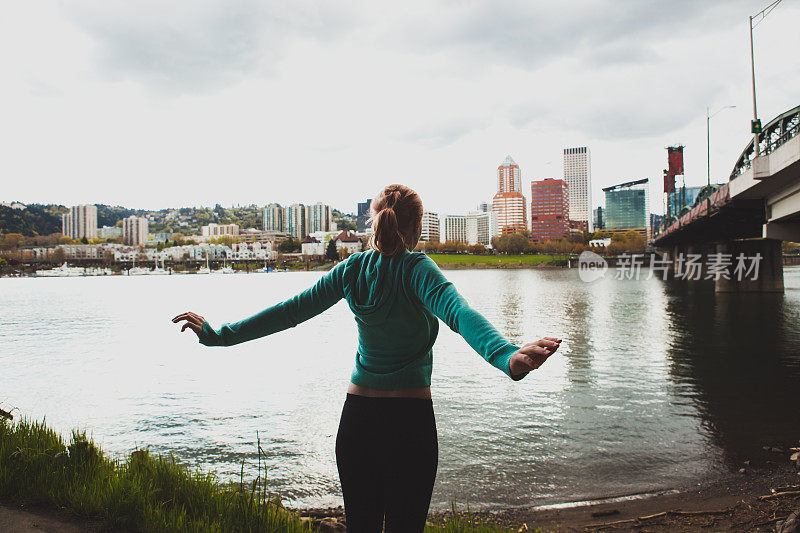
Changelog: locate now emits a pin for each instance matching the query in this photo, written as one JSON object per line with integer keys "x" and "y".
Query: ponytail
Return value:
{"x": 387, "y": 238}
{"x": 396, "y": 220}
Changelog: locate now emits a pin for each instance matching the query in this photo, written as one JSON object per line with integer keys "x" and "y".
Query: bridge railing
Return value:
{"x": 711, "y": 204}
{"x": 777, "y": 132}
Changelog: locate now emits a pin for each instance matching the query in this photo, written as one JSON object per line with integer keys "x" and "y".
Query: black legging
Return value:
{"x": 386, "y": 452}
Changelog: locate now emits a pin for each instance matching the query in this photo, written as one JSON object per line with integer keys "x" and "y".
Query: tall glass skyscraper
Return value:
{"x": 627, "y": 206}
{"x": 578, "y": 175}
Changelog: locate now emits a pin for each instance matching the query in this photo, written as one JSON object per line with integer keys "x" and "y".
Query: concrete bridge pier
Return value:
{"x": 756, "y": 265}
{"x": 696, "y": 258}
{"x": 672, "y": 254}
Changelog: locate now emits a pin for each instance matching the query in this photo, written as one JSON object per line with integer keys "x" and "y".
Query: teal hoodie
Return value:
{"x": 396, "y": 301}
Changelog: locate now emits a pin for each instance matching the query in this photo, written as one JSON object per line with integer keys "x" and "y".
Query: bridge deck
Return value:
{"x": 762, "y": 190}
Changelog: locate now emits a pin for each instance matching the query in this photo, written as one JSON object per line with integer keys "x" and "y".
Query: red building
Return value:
{"x": 549, "y": 209}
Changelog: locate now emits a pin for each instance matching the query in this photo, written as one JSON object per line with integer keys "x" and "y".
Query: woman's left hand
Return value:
{"x": 533, "y": 355}
{"x": 193, "y": 321}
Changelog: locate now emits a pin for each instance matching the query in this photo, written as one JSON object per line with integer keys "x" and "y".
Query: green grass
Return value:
{"x": 494, "y": 260}
{"x": 145, "y": 492}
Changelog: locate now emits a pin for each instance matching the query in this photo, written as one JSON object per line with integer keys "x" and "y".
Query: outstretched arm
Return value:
{"x": 309, "y": 303}
{"x": 442, "y": 298}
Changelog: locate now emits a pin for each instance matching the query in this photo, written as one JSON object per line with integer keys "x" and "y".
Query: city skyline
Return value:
{"x": 235, "y": 120}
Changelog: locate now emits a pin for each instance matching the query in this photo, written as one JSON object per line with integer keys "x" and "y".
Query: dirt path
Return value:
{"x": 737, "y": 504}
{"x": 38, "y": 520}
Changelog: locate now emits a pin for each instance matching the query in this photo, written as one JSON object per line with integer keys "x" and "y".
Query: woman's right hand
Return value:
{"x": 193, "y": 321}
{"x": 533, "y": 355}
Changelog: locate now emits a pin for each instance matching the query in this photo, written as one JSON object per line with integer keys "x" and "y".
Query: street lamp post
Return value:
{"x": 708, "y": 138}
{"x": 763, "y": 14}
{"x": 753, "y": 75}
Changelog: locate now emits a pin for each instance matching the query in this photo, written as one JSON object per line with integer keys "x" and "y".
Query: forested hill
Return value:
{"x": 45, "y": 219}
{"x": 38, "y": 219}
{"x": 109, "y": 215}
{"x": 35, "y": 219}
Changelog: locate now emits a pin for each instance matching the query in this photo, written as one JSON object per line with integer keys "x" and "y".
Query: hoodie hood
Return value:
{"x": 371, "y": 284}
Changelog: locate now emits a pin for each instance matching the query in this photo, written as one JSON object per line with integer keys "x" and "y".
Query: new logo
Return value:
{"x": 591, "y": 266}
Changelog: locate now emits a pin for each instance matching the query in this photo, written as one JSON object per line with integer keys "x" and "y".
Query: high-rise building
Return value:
{"x": 578, "y": 175}
{"x": 484, "y": 207}
{"x": 455, "y": 228}
{"x": 318, "y": 218}
{"x": 481, "y": 227}
{"x": 273, "y": 218}
{"x": 135, "y": 231}
{"x": 294, "y": 220}
{"x": 627, "y": 206}
{"x": 549, "y": 209}
{"x": 598, "y": 219}
{"x": 362, "y": 215}
{"x": 80, "y": 222}
{"x": 509, "y": 203}
{"x": 430, "y": 227}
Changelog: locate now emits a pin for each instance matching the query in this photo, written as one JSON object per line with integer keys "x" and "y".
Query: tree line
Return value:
{"x": 521, "y": 243}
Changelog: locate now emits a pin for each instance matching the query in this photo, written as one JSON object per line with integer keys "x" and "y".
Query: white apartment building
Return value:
{"x": 80, "y": 222}
{"x": 135, "y": 231}
{"x": 578, "y": 175}
{"x": 254, "y": 250}
{"x": 313, "y": 246}
{"x": 213, "y": 231}
{"x": 481, "y": 227}
{"x": 430, "y": 227}
{"x": 455, "y": 228}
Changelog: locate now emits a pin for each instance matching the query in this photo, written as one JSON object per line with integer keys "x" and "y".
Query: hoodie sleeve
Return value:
{"x": 444, "y": 301}
{"x": 309, "y": 303}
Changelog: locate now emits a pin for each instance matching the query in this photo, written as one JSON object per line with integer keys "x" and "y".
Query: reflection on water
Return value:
{"x": 658, "y": 384}
{"x": 740, "y": 356}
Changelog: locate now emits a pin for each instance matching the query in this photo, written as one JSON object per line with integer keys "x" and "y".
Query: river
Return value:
{"x": 657, "y": 384}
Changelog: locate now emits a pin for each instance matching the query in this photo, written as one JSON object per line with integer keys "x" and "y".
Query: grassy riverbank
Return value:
{"x": 496, "y": 261}
{"x": 144, "y": 492}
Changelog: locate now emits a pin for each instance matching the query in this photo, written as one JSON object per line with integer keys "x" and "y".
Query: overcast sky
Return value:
{"x": 153, "y": 104}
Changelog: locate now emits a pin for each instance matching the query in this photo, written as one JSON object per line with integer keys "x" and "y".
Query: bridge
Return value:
{"x": 748, "y": 216}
